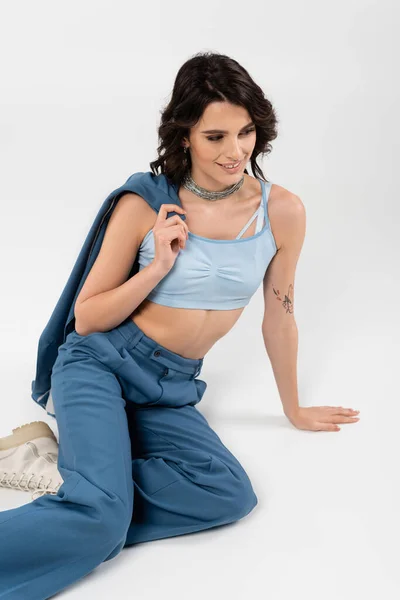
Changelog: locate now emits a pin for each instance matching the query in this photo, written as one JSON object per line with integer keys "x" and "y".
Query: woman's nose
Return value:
{"x": 233, "y": 152}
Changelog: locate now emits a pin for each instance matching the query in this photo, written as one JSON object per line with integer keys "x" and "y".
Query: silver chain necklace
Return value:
{"x": 189, "y": 184}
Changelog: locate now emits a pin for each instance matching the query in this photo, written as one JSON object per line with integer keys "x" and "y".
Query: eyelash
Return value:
{"x": 218, "y": 137}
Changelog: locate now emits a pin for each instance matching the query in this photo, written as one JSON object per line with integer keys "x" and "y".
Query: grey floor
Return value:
{"x": 328, "y": 520}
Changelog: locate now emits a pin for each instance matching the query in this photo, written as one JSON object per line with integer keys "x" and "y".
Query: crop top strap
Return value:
{"x": 259, "y": 214}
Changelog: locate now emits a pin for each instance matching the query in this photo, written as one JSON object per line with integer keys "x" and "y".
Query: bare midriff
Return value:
{"x": 193, "y": 332}
{"x": 188, "y": 332}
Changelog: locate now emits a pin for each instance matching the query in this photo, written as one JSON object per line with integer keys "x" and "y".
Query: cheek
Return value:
{"x": 249, "y": 143}
{"x": 206, "y": 153}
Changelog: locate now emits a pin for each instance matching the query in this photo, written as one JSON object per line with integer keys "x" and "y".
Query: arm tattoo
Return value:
{"x": 287, "y": 302}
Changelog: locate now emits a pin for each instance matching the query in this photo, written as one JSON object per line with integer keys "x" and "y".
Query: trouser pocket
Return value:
{"x": 179, "y": 389}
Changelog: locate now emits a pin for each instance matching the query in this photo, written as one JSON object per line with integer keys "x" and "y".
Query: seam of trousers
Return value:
{"x": 183, "y": 448}
{"x": 194, "y": 528}
{"x": 165, "y": 486}
{"x": 107, "y": 492}
{"x": 161, "y": 437}
{"x": 75, "y": 560}
{"x": 125, "y": 460}
{"x": 40, "y": 508}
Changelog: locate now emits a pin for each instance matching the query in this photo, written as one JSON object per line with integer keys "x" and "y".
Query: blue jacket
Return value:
{"x": 156, "y": 190}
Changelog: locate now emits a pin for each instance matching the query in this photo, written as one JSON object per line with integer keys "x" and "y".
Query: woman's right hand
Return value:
{"x": 170, "y": 236}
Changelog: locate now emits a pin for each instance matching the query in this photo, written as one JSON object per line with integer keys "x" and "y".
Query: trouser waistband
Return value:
{"x": 136, "y": 338}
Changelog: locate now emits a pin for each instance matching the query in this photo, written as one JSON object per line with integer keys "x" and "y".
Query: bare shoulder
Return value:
{"x": 286, "y": 213}
{"x": 135, "y": 207}
{"x": 282, "y": 199}
{"x": 122, "y": 238}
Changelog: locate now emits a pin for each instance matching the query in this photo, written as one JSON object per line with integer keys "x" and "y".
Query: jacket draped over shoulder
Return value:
{"x": 156, "y": 190}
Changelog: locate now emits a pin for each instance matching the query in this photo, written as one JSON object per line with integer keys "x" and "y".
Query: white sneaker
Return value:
{"x": 29, "y": 456}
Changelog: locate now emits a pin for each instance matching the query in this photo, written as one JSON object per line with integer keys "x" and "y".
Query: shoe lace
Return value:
{"x": 38, "y": 493}
{"x": 25, "y": 487}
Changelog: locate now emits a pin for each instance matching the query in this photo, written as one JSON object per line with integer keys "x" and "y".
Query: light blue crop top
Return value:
{"x": 215, "y": 274}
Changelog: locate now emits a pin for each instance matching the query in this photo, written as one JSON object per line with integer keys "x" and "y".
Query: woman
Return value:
{"x": 138, "y": 460}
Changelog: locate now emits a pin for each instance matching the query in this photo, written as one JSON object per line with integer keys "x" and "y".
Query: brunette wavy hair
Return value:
{"x": 210, "y": 77}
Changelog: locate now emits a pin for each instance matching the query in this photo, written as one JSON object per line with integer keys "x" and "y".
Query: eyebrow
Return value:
{"x": 223, "y": 131}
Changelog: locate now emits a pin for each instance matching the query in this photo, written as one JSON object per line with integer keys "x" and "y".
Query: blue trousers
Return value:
{"x": 138, "y": 460}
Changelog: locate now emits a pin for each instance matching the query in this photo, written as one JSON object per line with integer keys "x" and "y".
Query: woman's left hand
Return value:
{"x": 322, "y": 418}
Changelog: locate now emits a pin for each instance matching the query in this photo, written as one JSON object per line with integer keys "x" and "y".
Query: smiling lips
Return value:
{"x": 230, "y": 165}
